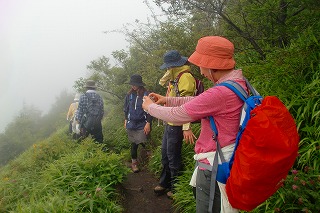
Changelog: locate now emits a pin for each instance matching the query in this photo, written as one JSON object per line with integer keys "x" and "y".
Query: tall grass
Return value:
{"x": 59, "y": 175}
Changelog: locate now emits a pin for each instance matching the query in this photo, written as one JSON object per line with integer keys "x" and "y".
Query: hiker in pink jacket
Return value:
{"x": 214, "y": 56}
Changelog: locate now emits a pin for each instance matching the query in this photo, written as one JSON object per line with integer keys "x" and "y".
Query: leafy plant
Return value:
{"x": 65, "y": 177}
{"x": 299, "y": 193}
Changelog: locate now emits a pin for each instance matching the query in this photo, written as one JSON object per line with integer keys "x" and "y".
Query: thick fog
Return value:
{"x": 45, "y": 45}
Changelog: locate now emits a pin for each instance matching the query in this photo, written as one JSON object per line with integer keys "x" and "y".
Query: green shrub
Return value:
{"x": 300, "y": 193}
{"x": 80, "y": 179}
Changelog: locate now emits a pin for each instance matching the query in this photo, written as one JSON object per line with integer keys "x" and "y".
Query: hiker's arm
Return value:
{"x": 178, "y": 101}
{"x": 193, "y": 109}
{"x": 176, "y": 115}
{"x": 168, "y": 101}
{"x": 126, "y": 107}
{"x": 126, "y": 110}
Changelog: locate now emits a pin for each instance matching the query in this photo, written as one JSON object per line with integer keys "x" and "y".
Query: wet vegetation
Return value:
{"x": 277, "y": 46}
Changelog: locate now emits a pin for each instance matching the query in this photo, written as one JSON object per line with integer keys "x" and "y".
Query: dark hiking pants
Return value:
{"x": 96, "y": 133}
{"x": 171, "y": 155}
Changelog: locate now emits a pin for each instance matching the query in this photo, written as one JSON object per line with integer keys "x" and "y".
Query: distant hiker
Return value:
{"x": 137, "y": 121}
{"x": 176, "y": 67}
{"x": 90, "y": 113}
{"x": 73, "y": 126}
{"x": 214, "y": 56}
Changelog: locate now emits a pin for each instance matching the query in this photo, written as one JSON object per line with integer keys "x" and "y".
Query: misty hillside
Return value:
{"x": 277, "y": 45}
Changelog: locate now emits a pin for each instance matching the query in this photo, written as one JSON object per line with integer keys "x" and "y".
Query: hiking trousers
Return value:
{"x": 96, "y": 133}
{"x": 203, "y": 193}
{"x": 171, "y": 155}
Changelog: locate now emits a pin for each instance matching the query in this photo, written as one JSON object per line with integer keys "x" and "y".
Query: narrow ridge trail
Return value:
{"x": 138, "y": 195}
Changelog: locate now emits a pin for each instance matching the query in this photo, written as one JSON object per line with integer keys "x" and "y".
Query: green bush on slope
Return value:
{"x": 59, "y": 175}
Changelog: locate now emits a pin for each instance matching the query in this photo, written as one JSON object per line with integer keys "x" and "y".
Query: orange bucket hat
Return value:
{"x": 214, "y": 52}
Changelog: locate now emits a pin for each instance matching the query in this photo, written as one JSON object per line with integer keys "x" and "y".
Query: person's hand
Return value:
{"x": 158, "y": 99}
{"x": 125, "y": 123}
{"x": 147, "y": 128}
{"x": 188, "y": 136}
{"x": 146, "y": 102}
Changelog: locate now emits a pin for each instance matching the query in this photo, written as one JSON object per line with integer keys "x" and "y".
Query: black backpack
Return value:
{"x": 93, "y": 114}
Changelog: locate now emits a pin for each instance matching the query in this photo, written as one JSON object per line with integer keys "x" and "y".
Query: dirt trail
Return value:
{"x": 139, "y": 196}
{"x": 137, "y": 190}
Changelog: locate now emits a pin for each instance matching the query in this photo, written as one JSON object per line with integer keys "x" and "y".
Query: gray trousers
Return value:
{"x": 203, "y": 193}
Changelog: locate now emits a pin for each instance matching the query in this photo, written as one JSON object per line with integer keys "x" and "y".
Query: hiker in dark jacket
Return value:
{"x": 137, "y": 121}
{"x": 90, "y": 112}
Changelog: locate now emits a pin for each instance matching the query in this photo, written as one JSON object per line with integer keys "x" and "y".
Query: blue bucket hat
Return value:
{"x": 173, "y": 58}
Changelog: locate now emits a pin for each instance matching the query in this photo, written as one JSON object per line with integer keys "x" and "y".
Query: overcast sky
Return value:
{"x": 45, "y": 45}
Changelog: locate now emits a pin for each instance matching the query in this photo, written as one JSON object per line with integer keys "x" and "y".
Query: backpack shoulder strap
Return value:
{"x": 176, "y": 80}
{"x": 236, "y": 88}
{"x": 88, "y": 96}
{"x": 251, "y": 88}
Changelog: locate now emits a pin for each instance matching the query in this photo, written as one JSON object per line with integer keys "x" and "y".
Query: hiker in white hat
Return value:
{"x": 71, "y": 115}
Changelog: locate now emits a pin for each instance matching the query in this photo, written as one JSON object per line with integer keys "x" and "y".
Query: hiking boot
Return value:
{"x": 159, "y": 190}
{"x": 134, "y": 167}
{"x": 170, "y": 194}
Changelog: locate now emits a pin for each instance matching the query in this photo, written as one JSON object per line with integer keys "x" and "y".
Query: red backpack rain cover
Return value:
{"x": 267, "y": 150}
